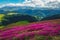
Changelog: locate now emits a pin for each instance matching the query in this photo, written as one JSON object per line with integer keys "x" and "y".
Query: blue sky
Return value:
{"x": 11, "y": 1}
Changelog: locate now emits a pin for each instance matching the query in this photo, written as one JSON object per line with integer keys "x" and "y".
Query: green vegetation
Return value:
{"x": 18, "y": 23}
{"x": 13, "y": 19}
{"x": 1, "y": 17}
{"x": 40, "y": 37}
{"x": 15, "y": 24}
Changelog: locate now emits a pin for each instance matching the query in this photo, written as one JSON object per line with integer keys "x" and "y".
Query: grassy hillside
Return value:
{"x": 18, "y": 23}
{"x": 1, "y": 17}
{"x": 14, "y": 19}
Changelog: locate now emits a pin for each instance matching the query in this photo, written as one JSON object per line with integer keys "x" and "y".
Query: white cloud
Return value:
{"x": 36, "y": 3}
{"x": 11, "y": 4}
{"x": 42, "y": 3}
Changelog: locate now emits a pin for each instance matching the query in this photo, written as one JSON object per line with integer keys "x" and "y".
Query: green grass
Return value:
{"x": 12, "y": 24}
{"x": 15, "y": 24}
{"x": 18, "y": 23}
{"x": 21, "y": 23}
{"x": 40, "y": 38}
{"x": 1, "y": 17}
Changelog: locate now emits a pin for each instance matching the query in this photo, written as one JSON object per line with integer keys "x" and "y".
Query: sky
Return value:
{"x": 11, "y": 1}
{"x": 33, "y": 3}
{"x": 20, "y": 1}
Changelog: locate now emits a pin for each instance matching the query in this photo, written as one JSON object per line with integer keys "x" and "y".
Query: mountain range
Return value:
{"x": 33, "y": 11}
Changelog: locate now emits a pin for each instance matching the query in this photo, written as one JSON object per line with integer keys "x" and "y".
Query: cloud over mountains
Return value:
{"x": 37, "y": 3}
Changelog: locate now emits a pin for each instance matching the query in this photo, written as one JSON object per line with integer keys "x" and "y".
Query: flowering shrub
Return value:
{"x": 47, "y": 29}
